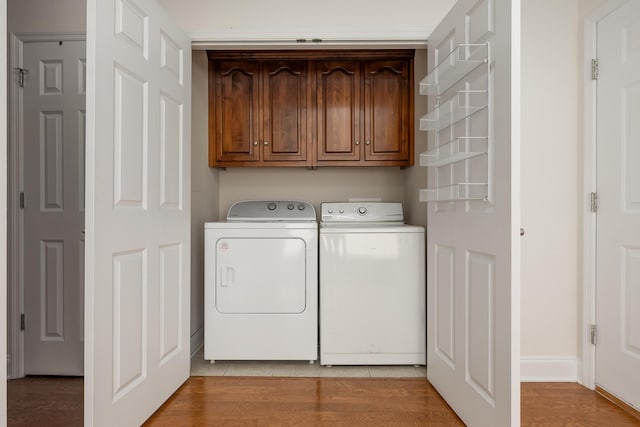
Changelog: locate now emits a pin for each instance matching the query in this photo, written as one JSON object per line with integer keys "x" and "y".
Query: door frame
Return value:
{"x": 15, "y": 184}
{"x": 587, "y": 373}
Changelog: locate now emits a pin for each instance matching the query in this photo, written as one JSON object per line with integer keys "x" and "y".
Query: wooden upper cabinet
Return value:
{"x": 311, "y": 108}
{"x": 388, "y": 112}
{"x": 286, "y": 105}
{"x": 234, "y": 122}
{"x": 339, "y": 105}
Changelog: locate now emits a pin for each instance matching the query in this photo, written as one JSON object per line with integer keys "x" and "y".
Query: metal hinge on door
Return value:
{"x": 594, "y": 202}
{"x": 22, "y": 322}
{"x": 594, "y": 69}
{"x": 594, "y": 334}
{"x": 22, "y": 200}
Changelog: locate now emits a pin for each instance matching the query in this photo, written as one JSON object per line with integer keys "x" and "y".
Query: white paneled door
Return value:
{"x": 473, "y": 247}
{"x": 618, "y": 216}
{"x": 137, "y": 210}
{"x": 53, "y": 129}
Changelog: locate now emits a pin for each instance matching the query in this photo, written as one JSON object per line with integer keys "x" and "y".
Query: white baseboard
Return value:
{"x": 197, "y": 340}
{"x": 549, "y": 369}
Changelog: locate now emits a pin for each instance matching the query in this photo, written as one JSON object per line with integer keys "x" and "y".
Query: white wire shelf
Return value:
{"x": 459, "y": 149}
{"x": 463, "y": 104}
{"x": 460, "y": 62}
{"x": 451, "y": 193}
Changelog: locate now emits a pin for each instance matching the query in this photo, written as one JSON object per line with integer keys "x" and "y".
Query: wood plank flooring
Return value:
{"x": 45, "y": 401}
{"x": 261, "y": 401}
{"x": 273, "y": 401}
{"x": 354, "y": 402}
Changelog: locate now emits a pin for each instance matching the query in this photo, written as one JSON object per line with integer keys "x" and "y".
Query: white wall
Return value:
{"x": 550, "y": 179}
{"x": 47, "y": 16}
{"x": 204, "y": 191}
{"x": 552, "y": 170}
{"x": 314, "y": 186}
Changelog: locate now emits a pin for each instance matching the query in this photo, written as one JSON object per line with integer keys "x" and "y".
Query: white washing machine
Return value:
{"x": 372, "y": 286}
{"x": 261, "y": 283}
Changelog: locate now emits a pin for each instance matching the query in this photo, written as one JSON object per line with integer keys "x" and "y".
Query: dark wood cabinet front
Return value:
{"x": 387, "y": 111}
{"x": 338, "y": 109}
{"x": 286, "y": 105}
{"x": 235, "y": 125}
{"x": 311, "y": 108}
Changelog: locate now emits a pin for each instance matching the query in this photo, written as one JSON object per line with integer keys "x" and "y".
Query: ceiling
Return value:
{"x": 337, "y": 22}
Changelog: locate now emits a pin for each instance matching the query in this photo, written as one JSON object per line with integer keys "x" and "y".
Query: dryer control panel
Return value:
{"x": 271, "y": 210}
{"x": 362, "y": 212}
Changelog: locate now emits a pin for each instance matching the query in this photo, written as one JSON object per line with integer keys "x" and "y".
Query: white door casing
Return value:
{"x": 618, "y": 214}
{"x": 3, "y": 211}
{"x": 53, "y": 118}
{"x": 473, "y": 248}
{"x": 137, "y": 210}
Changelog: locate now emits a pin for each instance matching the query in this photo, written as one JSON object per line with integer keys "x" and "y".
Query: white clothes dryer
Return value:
{"x": 261, "y": 283}
{"x": 372, "y": 286}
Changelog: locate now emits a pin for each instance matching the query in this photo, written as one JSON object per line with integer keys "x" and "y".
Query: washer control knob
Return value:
{"x": 330, "y": 211}
{"x": 290, "y": 206}
{"x": 272, "y": 206}
{"x": 300, "y": 207}
{"x": 341, "y": 211}
{"x": 362, "y": 210}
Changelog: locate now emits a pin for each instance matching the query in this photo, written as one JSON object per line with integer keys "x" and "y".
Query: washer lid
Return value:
{"x": 362, "y": 213}
{"x": 271, "y": 211}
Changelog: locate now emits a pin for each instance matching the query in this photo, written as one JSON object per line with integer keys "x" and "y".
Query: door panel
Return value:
{"x": 137, "y": 210}
{"x": 472, "y": 246}
{"x": 53, "y": 111}
{"x": 618, "y": 217}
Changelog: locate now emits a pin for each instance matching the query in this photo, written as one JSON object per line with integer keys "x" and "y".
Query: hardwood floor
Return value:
{"x": 273, "y": 401}
{"x": 264, "y": 401}
{"x": 45, "y": 401}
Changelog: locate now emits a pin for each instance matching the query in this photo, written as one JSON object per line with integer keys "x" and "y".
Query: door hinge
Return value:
{"x": 594, "y": 334}
{"x": 594, "y": 69}
{"x": 594, "y": 202}
{"x": 22, "y": 200}
{"x": 22, "y": 322}
{"x": 21, "y": 73}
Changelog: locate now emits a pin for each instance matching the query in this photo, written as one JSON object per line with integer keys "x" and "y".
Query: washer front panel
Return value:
{"x": 362, "y": 212}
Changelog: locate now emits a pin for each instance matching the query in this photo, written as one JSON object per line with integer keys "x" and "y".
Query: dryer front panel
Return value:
{"x": 260, "y": 275}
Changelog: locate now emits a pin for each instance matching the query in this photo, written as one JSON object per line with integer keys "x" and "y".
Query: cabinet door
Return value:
{"x": 339, "y": 102}
{"x": 387, "y": 114}
{"x": 286, "y": 95}
{"x": 235, "y": 120}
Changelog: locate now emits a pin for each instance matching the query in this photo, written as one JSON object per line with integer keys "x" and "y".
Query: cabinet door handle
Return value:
{"x": 368, "y": 142}
{"x": 266, "y": 143}
{"x": 255, "y": 142}
{"x": 357, "y": 142}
